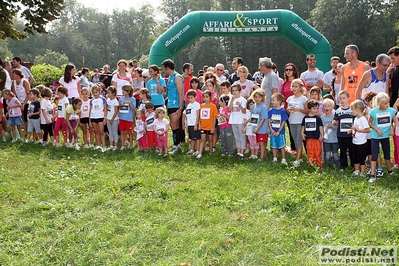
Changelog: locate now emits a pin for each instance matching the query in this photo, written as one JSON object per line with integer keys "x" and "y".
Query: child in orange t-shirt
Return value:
{"x": 208, "y": 115}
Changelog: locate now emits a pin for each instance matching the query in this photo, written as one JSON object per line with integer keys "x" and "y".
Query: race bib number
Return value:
{"x": 124, "y": 109}
{"x": 345, "y": 125}
{"x": 205, "y": 113}
{"x": 222, "y": 120}
{"x": 310, "y": 124}
{"x": 150, "y": 121}
{"x": 254, "y": 120}
{"x": 275, "y": 121}
{"x": 383, "y": 119}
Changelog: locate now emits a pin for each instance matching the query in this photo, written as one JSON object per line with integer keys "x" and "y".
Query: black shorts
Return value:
{"x": 97, "y": 120}
{"x": 84, "y": 120}
{"x": 206, "y": 132}
{"x": 193, "y": 134}
{"x": 172, "y": 110}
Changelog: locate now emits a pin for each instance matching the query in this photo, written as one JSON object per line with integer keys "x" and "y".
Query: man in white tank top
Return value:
{"x": 374, "y": 79}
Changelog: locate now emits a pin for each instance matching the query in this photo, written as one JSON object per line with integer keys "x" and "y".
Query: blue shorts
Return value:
{"x": 277, "y": 142}
{"x": 15, "y": 121}
{"x": 193, "y": 134}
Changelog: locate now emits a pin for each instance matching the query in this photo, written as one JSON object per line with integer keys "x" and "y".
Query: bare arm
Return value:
{"x": 365, "y": 80}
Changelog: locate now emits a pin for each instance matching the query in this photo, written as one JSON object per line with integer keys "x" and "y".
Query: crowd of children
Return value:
{"x": 244, "y": 124}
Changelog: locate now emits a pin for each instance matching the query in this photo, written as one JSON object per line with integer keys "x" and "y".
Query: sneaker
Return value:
{"x": 165, "y": 154}
{"x": 70, "y": 145}
{"x": 26, "y": 141}
{"x": 122, "y": 148}
{"x": 356, "y": 173}
{"x": 190, "y": 152}
{"x": 296, "y": 162}
{"x": 156, "y": 151}
{"x": 91, "y": 146}
{"x": 274, "y": 160}
{"x": 213, "y": 149}
{"x": 362, "y": 174}
{"x": 195, "y": 153}
{"x": 98, "y": 147}
{"x": 259, "y": 160}
{"x": 372, "y": 179}
{"x": 4, "y": 139}
{"x": 230, "y": 155}
{"x": 14, "y": 140}
{"x": 223, "y": 154}
{"x": 207, "y": 148}
{"x": 395, "y": 166}
{"x": 131, "y": 148}
{"x": 391, "y": 172}
{"x": 380, "y": 173}
{"x": 114, "y": 148}
{"x": 77, "y": 147}
{"x": 199, "y": 156}
{"x": 159, "y": 154}
{"x": 246, "y": 151}
{"x": 240, "y": 156}
{"x": 174, "y": 151}
{"x": 103, "y": 149}
{"x": 85, "y": 146}
{"x": 283, "y": 161}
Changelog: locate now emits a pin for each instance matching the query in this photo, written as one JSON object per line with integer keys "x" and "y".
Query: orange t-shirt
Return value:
{"x": 207, "y": 116}
{"x": 352, "y": 78}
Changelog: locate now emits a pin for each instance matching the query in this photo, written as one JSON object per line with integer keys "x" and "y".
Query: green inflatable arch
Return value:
{"x": 242, "y": 23}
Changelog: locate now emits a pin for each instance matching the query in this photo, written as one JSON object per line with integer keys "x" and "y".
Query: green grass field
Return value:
{"x": 65, "y": 207}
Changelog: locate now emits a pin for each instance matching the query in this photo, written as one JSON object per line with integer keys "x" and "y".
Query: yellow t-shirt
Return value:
{"x": 73, "y": 114}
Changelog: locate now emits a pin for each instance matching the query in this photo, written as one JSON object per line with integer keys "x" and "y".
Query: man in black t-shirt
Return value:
{"x": 393, "y": 75}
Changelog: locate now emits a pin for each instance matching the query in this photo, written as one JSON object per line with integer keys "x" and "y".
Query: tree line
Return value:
{"x": 86, "y": 37}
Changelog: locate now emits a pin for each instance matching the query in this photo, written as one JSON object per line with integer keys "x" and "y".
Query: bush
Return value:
{"x": 46, "y": 74}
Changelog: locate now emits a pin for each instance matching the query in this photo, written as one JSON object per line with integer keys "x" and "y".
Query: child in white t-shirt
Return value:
{"x": 191, "y": 122}
{"x": 112, "y": 118}
{"x": 359, "y": 133}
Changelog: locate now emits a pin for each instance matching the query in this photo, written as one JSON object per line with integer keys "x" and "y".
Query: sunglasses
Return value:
{"x": 289, "y": 69}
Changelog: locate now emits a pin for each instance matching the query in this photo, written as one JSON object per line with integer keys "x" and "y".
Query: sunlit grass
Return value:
{"x": 65, "y": 207}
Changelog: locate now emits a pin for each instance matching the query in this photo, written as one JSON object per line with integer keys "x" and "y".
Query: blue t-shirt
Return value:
{"x": 125, "y": 112}
{"x": 312, "y": 126}
{"x": 276, "y": 117}
{"x": 382, "y": 119}
{"x": 156, "y": 98}
{"x": 259, "y": 113}
{"x": 331, "y": 135}
{"x": 173, "y": 94}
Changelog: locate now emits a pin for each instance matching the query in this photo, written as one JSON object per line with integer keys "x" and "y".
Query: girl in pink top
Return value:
{"x": 161, "y": 127}
{"x": 14, "y": 113}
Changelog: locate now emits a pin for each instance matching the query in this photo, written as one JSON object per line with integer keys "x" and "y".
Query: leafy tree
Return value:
{"x": 368, "y": 24}
{"x": 207, "y": 51}
{"x": 52, "y": 57}
{"x": 35, "y": 13}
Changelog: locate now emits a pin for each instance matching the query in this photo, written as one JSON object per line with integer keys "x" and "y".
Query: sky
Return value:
{"x": 106, "y": 6}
